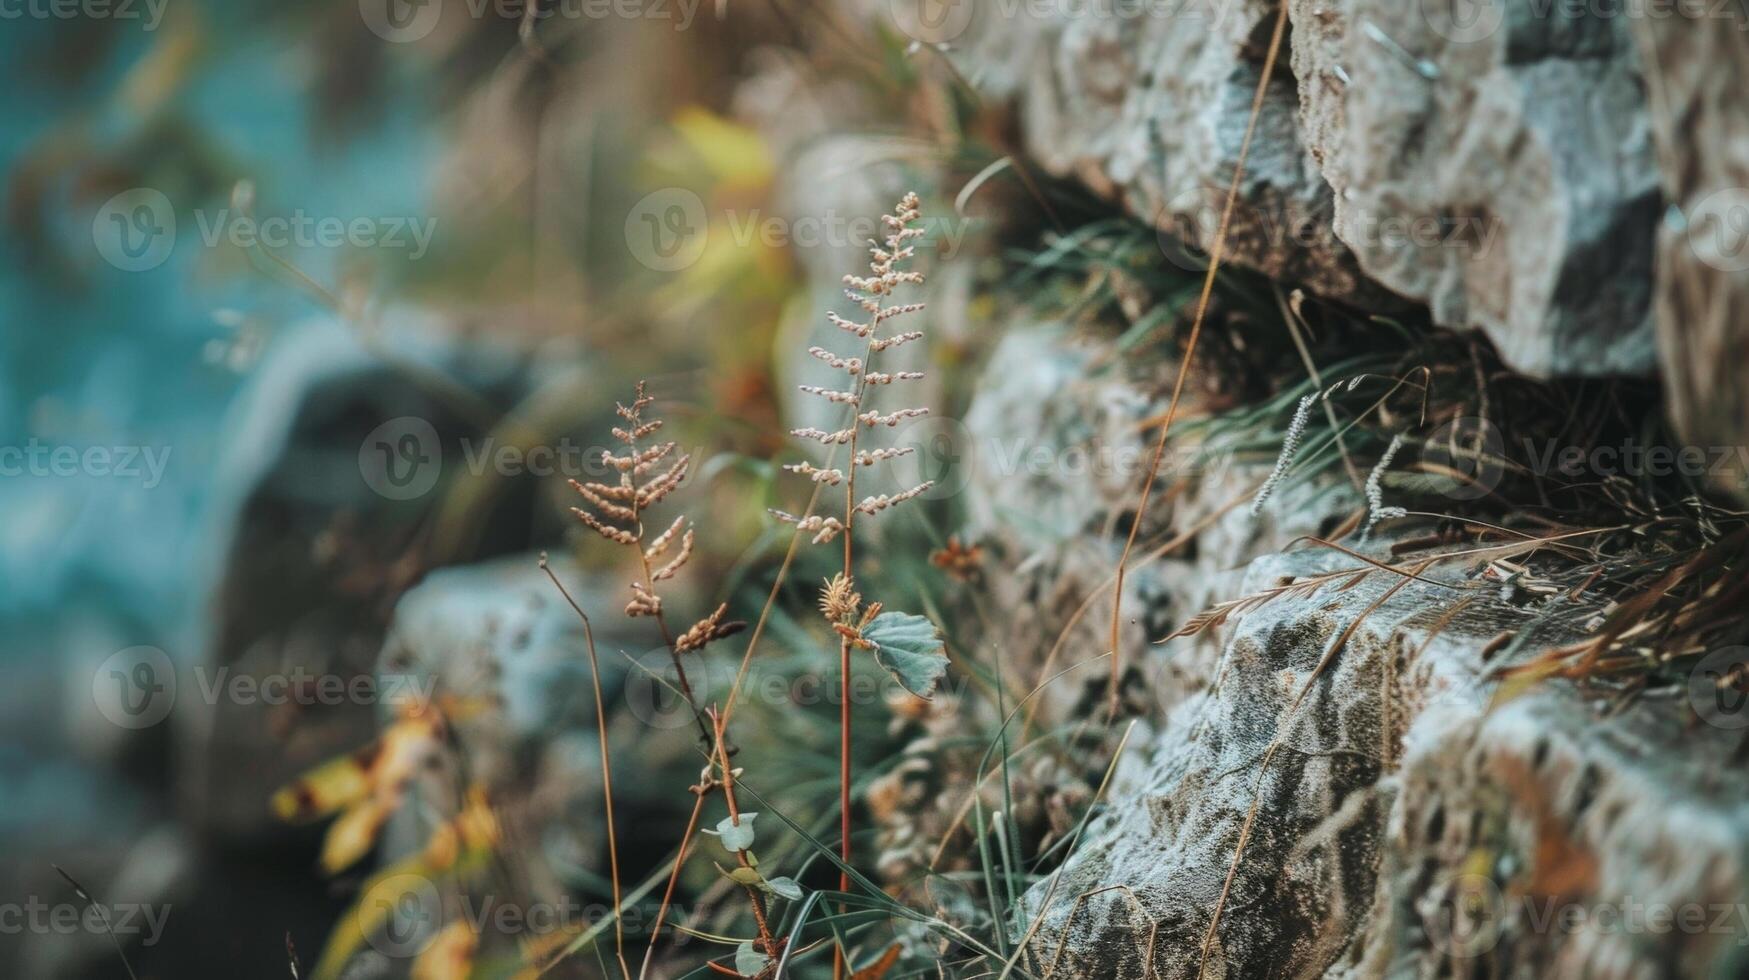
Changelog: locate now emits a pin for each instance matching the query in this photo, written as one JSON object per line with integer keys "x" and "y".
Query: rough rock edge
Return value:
{"x": 1419, "y": 790}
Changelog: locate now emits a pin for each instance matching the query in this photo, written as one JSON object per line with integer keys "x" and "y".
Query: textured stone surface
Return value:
{"x": 1504, "y": 177}
{"x": 1150, "y": 109}
{"x": 1403, "y": 828}
{"x": 1498, "y": 169}
{"x": 1695, "y": 73}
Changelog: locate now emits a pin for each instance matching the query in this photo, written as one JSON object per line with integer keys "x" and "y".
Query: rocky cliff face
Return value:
{"x": 1515, "y": 169}
{"x": 1494, "y": 164}
{"x": 1397, "y": 819}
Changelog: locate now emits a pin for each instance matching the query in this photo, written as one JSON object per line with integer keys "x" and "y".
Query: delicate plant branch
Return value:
{"x": 616, "y": 512}
{"x": 766, "y": 944}
{"x": 606, "y": 767}
{"x": 840, "y": 603}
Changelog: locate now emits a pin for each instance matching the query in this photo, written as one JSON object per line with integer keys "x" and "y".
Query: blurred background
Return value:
{"x": 310, "y": 311}
{"x": 313, "y": 312}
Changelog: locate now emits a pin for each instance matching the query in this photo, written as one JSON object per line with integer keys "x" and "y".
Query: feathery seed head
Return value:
{"x": 839, "y": 600}
{"x": 886, "y": 274}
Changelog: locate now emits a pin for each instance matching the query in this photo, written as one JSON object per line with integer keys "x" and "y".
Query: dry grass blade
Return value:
{"x": 102, "y": 913}
{"x": 1208, "y": 284}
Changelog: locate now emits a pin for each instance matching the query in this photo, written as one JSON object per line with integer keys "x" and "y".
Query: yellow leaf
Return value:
{"x": 323, "y": 790}
{"x": 353, "y": 835}
{"x": 450, "y": 956}
{"x": 735, "y": 154}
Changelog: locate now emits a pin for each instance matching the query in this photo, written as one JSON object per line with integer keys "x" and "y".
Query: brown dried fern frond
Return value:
{"x": 648, "y": 474}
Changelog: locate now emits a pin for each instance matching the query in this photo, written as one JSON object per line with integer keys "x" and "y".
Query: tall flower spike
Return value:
{"x": 873, "y": 295}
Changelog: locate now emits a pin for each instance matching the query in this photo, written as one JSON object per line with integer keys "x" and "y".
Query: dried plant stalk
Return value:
{"x": 873, "y": 295}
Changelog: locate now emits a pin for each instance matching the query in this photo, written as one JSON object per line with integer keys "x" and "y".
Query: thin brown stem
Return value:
{"x": 838, "y": 964}
{"x": 1208, "y": 285}
{"x": 606, "y": 767}
{"x": 767, "y": 944}
{"x": 673, "y": 879}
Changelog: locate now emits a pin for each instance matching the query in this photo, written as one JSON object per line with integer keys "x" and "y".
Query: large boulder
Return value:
{"x": 1499, "y": 170}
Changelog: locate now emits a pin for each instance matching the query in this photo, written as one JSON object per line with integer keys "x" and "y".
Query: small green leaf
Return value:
{"x": 749, "y": 961}
{"x": 908, "y": 648}
{"x": 737, "y": 837}
{"x": 784, "y": 888}
{"x": 746, "y": 876}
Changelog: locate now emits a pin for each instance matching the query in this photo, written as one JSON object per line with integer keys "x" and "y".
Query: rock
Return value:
{"x": 1402, "y": 828}
{"x": 1149, "y": 107}
{"x": 1498, "y": 168}
{"x": 333, "y": 462}
{"x": 1694, "y": 70}
{"x": 1505, "y": 178}
{"x": 1397, "y": 800}
{"x": 498, "y": 640}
